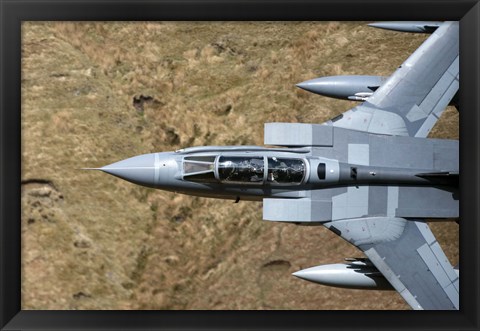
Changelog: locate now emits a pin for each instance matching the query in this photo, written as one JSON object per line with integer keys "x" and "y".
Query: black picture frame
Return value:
{"x": 13, "y": 12}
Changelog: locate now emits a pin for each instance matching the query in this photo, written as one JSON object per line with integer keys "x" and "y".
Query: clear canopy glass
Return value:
{"x": 285, "y": 171}
{"x": 239, "y": 169}
{"x": 245, "y": 170}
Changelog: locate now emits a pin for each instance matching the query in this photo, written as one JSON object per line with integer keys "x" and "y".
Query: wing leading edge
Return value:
{"x": 412, "y": 99}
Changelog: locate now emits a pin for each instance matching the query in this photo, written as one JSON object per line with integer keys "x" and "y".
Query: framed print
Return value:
{"x": 96, "y": 85}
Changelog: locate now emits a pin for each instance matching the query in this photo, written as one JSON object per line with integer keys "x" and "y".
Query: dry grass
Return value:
{"x": 108, "y": 244}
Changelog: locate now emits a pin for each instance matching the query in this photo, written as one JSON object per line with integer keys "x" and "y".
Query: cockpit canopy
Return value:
{"x": 239, "y": 169}
{"x": 199, "y": 169}
{"x": 244, "y": 169}
{"x": 285, "y": 171}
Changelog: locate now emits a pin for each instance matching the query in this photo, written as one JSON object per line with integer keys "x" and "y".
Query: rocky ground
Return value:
{"x": 96, "y": 93}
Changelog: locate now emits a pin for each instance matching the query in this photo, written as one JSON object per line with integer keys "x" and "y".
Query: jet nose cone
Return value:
{"x": 141, "y": 169}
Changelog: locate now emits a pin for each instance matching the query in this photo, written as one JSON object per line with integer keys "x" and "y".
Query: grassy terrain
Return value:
{"x": 96, "y": 93}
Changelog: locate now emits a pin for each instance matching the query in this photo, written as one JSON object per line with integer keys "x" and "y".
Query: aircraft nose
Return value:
{"x": 141, "y": 169}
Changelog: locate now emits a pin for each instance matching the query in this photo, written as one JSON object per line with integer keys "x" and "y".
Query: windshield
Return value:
{"x": 199, "y": 169}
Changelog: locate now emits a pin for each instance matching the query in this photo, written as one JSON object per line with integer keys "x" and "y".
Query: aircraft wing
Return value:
{"x": 412, "y": 99}
{"x": 408, "y": 255}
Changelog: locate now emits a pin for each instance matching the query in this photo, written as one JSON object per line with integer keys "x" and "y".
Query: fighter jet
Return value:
{"x": 370, "y": 175}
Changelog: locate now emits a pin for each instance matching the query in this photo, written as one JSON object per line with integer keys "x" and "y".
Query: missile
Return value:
{"x": 357, "y": 88}
{"x": 353, "y": 275}
{"x": 402, "y": 26}
{"x": 353, "y": 87}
